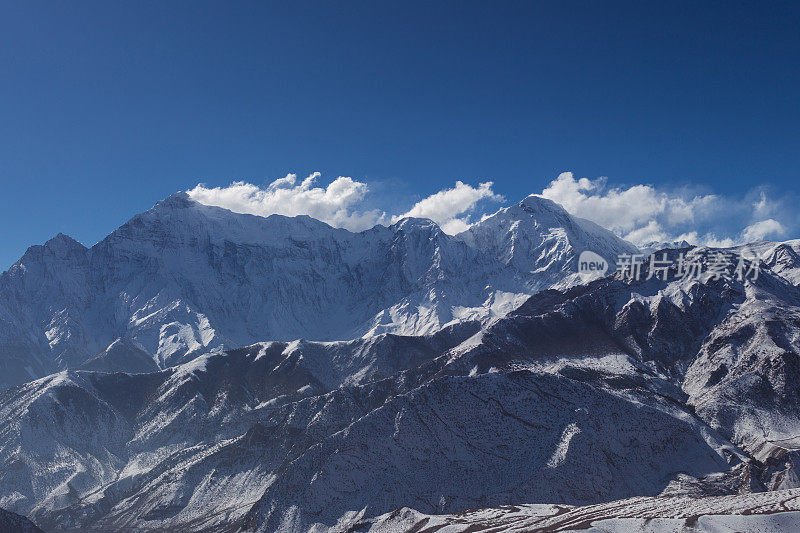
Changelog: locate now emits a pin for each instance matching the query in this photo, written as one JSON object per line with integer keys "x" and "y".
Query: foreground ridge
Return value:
{"x": 14, "y": 523}
{"x": 767, "y": 511}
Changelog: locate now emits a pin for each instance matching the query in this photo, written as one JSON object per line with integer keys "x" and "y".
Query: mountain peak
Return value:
{"x": 538, "y": 235}
{"x": 62, "y": 241}
{"x": 178, "y": 200}
{"x": 414, "y": 223}
{"x": 60, "y": 246}
{"x": 655, "y": 246}
{"x": 538, "y": 203}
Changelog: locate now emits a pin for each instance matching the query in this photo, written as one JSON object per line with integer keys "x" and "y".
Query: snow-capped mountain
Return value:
{"x": 609, "y": 390}
{"x": 654, "y": 246}
{"x": 602, "y": 378}
{"x": 184, "y": 278}
{"x": 209, "y": 371}
{"x": 539, "y": 239}
{"x": 195, "y": 445}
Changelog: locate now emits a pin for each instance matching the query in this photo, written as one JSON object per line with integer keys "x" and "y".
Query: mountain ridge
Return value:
{"x": 183, "y": 278}
{"x": 604, "y": 377}
{"x": 155, "y": 411}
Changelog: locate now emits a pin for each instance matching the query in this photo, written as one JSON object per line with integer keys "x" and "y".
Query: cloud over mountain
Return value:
{"x": 450, "y": 207}
{"x": 640, "y": 213}
{"x": 335, "y": 204}
{"x": 643, "y": 213}
{"x": 341, "y": 203}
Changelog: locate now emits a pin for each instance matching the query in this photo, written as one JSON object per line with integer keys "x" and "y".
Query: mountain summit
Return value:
{"x": 538, "y": 236}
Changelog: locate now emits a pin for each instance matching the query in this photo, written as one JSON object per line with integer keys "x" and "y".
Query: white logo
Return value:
{"x": 592, "y": 263}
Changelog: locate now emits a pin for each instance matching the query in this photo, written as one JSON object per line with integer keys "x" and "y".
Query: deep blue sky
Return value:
{"x": 107, "y": 107}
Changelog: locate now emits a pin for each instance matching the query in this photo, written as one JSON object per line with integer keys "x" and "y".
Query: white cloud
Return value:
{"x": 652, "y": 232}
{"x": 639, "y": 213}
{"x": 451, "y": 208}
{"x": 340, "y": 204}
{"x": 335, "y": 204}
{"x": 763, "y": 229}
{"x": 630, "y": 211}
{"x": 707, "y": 239}
{"x": 644, "y": 213}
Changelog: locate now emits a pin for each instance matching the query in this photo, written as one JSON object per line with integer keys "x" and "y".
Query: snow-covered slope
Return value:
{"x": 602, "y": 378}
{"x": 581, "y": 394}
{"x": 540, "y": 240}
{"x": 462, "y": 442}
{"x": 603, "y": 391}
{"x": 783, "y": 258}
{"x": 184, "y": 278}
{"x": 654, "y": 246}
{"x": 192, "y": 445}
{"x": 770, "y": 512}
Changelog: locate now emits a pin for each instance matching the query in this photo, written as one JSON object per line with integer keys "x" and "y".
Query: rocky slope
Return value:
{"x": 14, "y": 523}
{"x": 601, "y": 378}
{"x": 158, "y": 410}
{"x": 768, "y": 512}
{"x": 183, "y": 279}
{"x": 581, "y": 396}
{"x": 193, "y": 445}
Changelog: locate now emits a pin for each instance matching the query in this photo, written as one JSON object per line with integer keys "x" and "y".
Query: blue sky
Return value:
{"x": 107, "y": 107}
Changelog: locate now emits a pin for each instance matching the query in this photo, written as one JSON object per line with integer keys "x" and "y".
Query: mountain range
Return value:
{"x": 184, "y": 278}
{"x": 202, "y": 370}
